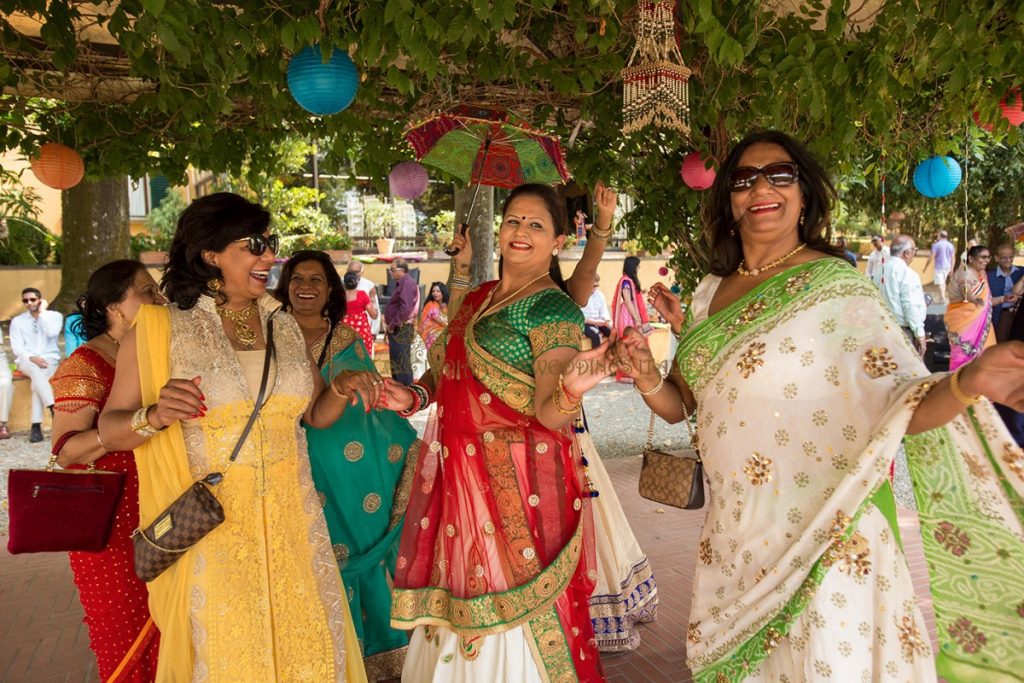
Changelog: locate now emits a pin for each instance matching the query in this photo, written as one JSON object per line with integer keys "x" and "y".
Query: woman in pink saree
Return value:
{"x": 969, "y": 314}
{"x": 628, "y": 306}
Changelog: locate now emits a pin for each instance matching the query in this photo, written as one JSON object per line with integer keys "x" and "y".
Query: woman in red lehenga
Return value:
{"x": 495, "y": 566}
{"x": 121, "y": 632}
{"x": 359, "y": 309}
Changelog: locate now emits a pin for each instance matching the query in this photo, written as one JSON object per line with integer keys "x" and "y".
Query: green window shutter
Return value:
{"x": 158, "y": 187}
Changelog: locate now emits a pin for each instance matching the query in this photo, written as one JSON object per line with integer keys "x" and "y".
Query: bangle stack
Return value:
{"x": 420, "y": 400}
{"x": 601, "y": 234}
{"x": 140, "y": 423}
{"x": 958, "y": 393}
{"x": 560, "y": 394}
{"x": 651, "y": 392}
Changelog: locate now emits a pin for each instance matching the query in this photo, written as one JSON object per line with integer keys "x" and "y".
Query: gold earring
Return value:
{"x": 214, "y": 284}
{"x": 732, "y": 232}
{"x": 801, "y": 221}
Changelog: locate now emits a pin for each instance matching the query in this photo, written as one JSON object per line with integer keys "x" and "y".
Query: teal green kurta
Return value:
{"x": 358, "y": 464}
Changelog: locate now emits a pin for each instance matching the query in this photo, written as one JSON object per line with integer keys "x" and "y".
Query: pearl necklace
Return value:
{"x": 754, "y": 272}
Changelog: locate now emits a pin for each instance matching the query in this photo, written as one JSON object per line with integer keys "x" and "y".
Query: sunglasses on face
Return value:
{"x": 259, "y": 244}
{"x": 29, "y": 301}
{"x": 781, "y": 174}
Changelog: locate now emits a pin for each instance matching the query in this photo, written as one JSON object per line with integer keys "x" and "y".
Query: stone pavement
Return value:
{"x": 42, "y": 638}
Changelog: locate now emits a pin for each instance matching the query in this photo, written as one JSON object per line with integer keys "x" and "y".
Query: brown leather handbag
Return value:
{"x": 197, "y": 511}
{"x": 675, "y": 478}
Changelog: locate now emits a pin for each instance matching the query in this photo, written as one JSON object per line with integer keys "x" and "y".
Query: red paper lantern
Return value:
{"x": 58, "y": 166}
{"x": 984, "y": 126}
{"x": 1014, "y": 110}
{"x": 694, "y": 172}
{"x": 408, "y": 180}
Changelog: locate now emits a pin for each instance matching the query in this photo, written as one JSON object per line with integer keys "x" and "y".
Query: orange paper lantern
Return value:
{"x": 58, "y": 166}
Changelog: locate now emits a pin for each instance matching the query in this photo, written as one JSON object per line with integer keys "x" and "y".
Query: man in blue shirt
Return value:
{"x": 1000, "y": 282}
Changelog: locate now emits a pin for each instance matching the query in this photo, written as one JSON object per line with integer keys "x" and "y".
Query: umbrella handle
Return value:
{"x": 463, "y": 229}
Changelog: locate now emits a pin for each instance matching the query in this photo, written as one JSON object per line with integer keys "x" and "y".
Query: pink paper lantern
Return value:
{"x": 408, "y": 180}
{"x": 694, "y": 172}
{"x": 1013, "y": 111}
{"x": 58, "y": 166}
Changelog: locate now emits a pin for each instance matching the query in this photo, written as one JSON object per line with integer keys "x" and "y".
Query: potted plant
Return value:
{"x": 337, "y": 245}
{"x": 381, "y": 220}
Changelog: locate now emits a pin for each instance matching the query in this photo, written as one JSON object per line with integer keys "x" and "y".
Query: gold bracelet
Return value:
{"x": 558, "y": 404}
{"x": 100, "y": 441}
{"x": 338, "y": 392}
{"x": 650, "y": 392}
{"x": 140, "y": 423}
{"x": 958, "y": 393}
{"x": 601, "y": 235}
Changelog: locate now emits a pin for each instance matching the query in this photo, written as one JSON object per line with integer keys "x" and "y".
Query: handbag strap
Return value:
{"x": 259, "y": 396}
{"x": 649, "y": 444}
{"x": 327, "y": 342}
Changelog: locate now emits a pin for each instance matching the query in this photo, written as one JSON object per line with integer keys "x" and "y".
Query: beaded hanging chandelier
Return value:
{"x": 654, "y": 91}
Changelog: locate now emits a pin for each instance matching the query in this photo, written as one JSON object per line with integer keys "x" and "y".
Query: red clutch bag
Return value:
{"x": 58, "y": 511}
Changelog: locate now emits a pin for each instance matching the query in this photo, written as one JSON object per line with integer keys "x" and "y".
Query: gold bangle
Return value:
{"x": 558, "y": 404}
{"x": 100, "y": 441}
{"x": 958, "y": 393}
{"x": 601, "y": 235}
{"x": 338, "y": 392}
{"x": 650, "y": 392}
{"x": 140, "y": 423}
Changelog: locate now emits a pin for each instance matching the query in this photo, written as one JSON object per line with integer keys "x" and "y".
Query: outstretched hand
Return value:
{"x": 605, "y": 201}
{"x": 394, "y": 396}
{"x": 998, "y": 374}
{"x": 667, "y": 304}
{"x": 586, "y": 369}
{"x": 633, "y": 357}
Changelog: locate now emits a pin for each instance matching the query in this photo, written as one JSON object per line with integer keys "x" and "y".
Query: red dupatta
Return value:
{"x": 495, "y": 529}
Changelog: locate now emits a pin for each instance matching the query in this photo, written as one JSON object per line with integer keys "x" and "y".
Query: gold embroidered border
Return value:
{"x": 550, "y": 648}
{"x": 523, "y": 561}
{"x": 404, "y": 488}
{"x": 513, "y": 387}
{"x": 492, "y": 612}
{"x": 385, "y": 665}
{"x": 552, "y": 335}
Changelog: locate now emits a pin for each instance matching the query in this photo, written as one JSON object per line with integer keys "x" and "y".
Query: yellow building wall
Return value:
{"x": 50, "y": 212}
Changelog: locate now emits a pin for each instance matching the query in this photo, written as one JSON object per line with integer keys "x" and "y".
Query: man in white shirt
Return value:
{"x": 6, "y": 390}
{"x": 877, "y": 257}
{"x": 901, "y": 288}
{"x": 34, "y": 336}
{"x": 367, "y": 285}
{"x": 597, "y": 318}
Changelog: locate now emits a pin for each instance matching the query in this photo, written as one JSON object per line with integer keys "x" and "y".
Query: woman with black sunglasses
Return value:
{"x": 803, "y": 387}
{"x": 260, "y": 597}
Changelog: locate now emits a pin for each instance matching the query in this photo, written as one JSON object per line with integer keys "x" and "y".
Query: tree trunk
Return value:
{"x": 481, "y": 230}
{"x": 95, "y": 232}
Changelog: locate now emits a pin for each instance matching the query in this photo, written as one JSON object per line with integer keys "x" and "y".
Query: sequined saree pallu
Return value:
{"x": 805, "y": 388}
{"x": 496, "y": 549}
{"x": 358, "y": 464}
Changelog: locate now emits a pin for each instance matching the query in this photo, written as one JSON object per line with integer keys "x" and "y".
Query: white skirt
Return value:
{"x": 625, "y": 594}
{"x": 438, "y": 655}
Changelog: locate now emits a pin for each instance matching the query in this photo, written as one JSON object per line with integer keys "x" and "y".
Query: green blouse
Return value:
{"x": 504, "y": 346}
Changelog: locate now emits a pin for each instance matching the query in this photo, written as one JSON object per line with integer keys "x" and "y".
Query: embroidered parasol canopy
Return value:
{"x": 490, "y": 147}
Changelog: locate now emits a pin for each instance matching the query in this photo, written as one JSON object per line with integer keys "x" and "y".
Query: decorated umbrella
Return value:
{"x": 1016, "y": 232}
{"x": 488, "y": 147}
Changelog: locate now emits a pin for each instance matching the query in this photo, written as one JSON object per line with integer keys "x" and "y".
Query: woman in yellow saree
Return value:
{"x": 260, "y": 597}
{"x": 803, "y": 386}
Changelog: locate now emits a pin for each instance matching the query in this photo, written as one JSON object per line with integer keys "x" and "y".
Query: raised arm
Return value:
{"x": 580, "y": 283}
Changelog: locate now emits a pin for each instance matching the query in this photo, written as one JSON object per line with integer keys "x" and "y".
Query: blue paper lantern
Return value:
{"x": 322, "y": 89}
{"x": 937, "y": 176}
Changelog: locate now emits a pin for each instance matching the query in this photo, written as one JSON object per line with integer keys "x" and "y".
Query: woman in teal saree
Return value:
{"x": 803, "y": 387}
{"x": 358, "y": 463}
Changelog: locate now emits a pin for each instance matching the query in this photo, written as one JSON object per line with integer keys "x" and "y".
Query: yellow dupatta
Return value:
{"x": 163, "y": 476}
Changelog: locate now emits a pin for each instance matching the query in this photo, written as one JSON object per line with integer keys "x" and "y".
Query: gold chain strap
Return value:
{"x": 689, "y": 427}
{"x": 140, "y": 532}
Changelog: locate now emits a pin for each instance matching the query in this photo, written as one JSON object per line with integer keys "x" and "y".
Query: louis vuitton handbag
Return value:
{"x": 197, "y": 511}
{"x": 676, "y": 478}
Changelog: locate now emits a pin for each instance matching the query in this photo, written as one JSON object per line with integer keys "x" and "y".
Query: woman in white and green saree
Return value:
{"x": 803, "y": 386}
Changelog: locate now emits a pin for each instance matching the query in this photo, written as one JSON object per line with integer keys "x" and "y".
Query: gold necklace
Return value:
{"x": 754, "y": 272}
{"x": 492, "y": 307}
{"x": 244, "y": 333}
{"x": 111, "y": 338}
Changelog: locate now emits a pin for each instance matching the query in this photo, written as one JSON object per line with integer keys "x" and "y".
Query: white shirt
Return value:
{"x": 903, "y": 294}
{"x": 597, "y": 308}
{"x": 36, "y": 336}
{"x": 875, "y": 261}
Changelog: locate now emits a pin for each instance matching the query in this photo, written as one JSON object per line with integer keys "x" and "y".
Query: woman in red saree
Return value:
{"x": 121, "y": 632}
{"x": 494, "y": 570}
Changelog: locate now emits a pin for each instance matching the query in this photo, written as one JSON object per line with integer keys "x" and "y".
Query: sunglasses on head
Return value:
{"x": 781, "y": 174}
{"x": 259, "y": 244}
